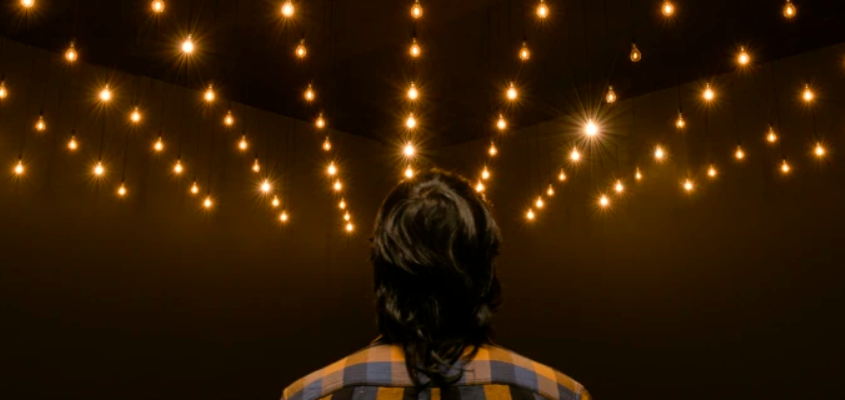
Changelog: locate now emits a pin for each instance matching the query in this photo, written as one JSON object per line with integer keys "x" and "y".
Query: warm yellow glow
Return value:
{"x": 591, "y": 129}
{"x": 256, "y": 166}
{"x": 409, "y": 150}
{"x": 342, "y": 204}
{"x": 121, "y": 191}
{"x": 512, "y": 92}
{"x": 743, "y": 58}
{"x": 808, "y": 94}
{"x": 27, "y": 3}
{"x": 501, "y": 123}
{"x": 711, "y": 172}
{"x": 636, "y": 55}
{"x": 416, "y": 50}
{"x": 575, "y": 155}
{"x": 819, "y": 150}
{"x": 135, "y": 116}
{"x": 178, "y": 168}
{"x": 493, "y": 150}
{"x": 229, "y": 119}
{"x": 105, "y": 94}
{"x": 209, "y": 94}
{"x": 789, "y": 9}
{"x": 188, "y": 45}
{"x": 784, "y": 167}
{"x": 72, "y": 144}
{"x": 709, "y": 94}
{"x": 485, "y": 174}
{"x": 99, "y": 170}
{"x": 288, "y": 9}
{"x": 604, "y": 202}
{"x": 413, "y": 93}
{"x": 530, "y": 215}
{"x": 158, "y": 145}
{"x": 619, "y": 187}
{"x": 416, "y": 9}
{"x": 309, "y": 93}
{"x": 668, "y": 9}
{"x": 411, "y": 122}
{"x": 158, "y": 6}
{"x": 332, "y": 169}
{"x": 338, "y": 186}
{"x": 550, "y": 191}
{"x": 561, "y": 176}
{"x": 542, "y": 9}
{"x": 680, "y": 123}
{"x": 350, "y": 227}
{"x": 301, "y": 51}
{"x": 71, "y": 55}
{"x": 321, "y": 122}
{"x": 611, "y": 95}
{"x": 208, "y": 203}
{"x": 347, "y": 217}
{"x": 243, "y": 145}
{"x": 771, "y": 137}
{"x": 539, "y": 202}
{"x": 19, "y": 169}
{"x": 283, "y": 217}
{"x": 638, "y": 175}
{"x": 266, "y": 187}
{"x": 479, "y": 187}
{"x": 524, "y": 53}
{"x": 739, "y": 154}
{"x": 3, "y": 91}
{"x": 327, "y": 145}
{"x": 409, "y": 172}
{"x": 659, "y": 153}
{"x": 688, "y": 185}
{"x": 276, "y": 202}
{"x": 195, "y": 189}
{"x": 40, "y": 125}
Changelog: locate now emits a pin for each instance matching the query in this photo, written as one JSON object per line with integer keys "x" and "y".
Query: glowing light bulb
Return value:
{"x": 711, "y": 172}
{"x": 539, "y": 202}
{"x": 309, "y": 93}
{"x": 743, "y": 59}
{"x": 301, "y": 51}
{"x": 512, "y": 93}
{"x": 619, "y": 187}
{"x": 99, "y": 170}
{"x": 550, "y": 191}
{"x": 638, "y": 175}
{"x": 808, "y": 94}
{"x": 72, "y": 145}
{"x": 413, "y": 93}
{"x": 342, "y": 204}
{"x": 178, "y": 168}
{"x": 542, "y": 9}
{"x": 158, "y": 6}
{"x": 40, "y": 125}
{"x": 121, "y": 191}
{"x": 27, "y": 3}
{"x": 209, "y": 94}
{"x": 266, "y": 187}
{"x": 479, "y": 187}
{"x": 680, "y": 123}
{"x": 530, "y": 215}
{"x": 347, "y": 217}
{"x": 789, "y": 9}
{"x": 591, "y": 129}
{"x": 524, "y": 52}
{"x": 411, "y": 122}
{"x": 415, "y": 50}
{"x": 71, "y": 55}
{"x": 409, "y": 172}
{"x": 611, "y": 95}
{"x": 784, "y": 167}
{"x": 3, "y": 91}
{"x": 283, "y": 217}
{"x": 709, "y": 94}
{"x": 158, "y": 146}
{"x": 243, "y": 145}
{"x": 288, "y": 9}
{"x": 105, "y": 94}
{"x": 417, "y": 10}
{"x": 195, "y": 189}
{"x": 561, "y": 176}
{"x": 256, "y": 167}
{"x": 604, "y": 202}
{"x": 350, "y": 227}
{"x": 739, "y": 154}
{"x": 229, "y": 119}
{"x": 327, "y": 145}
{"x": 409, "y": 150}
{"x": 208, "y": 203}
{"x": 688, "y": 185}
{"x": 493, "y": 150}
{"x": 659, "y": 153}
{"x": 501, "y": 123}
{"x": 135, "y": 116}
{"x": 321, "y": 122}
{"x": 771, "y": 137}
{"x": 338, "y": 186}
{"x": 19, "y": 169}
{"x": 485, "y": 174}
{"x": 188, "y": 45}
{"x": 636, "y": 55}
{"x": 668, "y": 9}
{"x": 575, "y": 155}
{"x": 819, "y": 150}
{"x": 276, "y": 202}
{"x": 332, "y": 169}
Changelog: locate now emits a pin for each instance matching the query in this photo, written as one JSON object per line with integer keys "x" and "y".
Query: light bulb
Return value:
{"x": 561, "y": 176}
{"x": 409, "y": 172}
{"x": 709, "y": 94}
{"x": 71, "y": 55}
{"x": 479, "y": 187}
{"x": 350, "y": 227}
{"x": 808, "y": 94}
{"x": 771, "y": 137}
{"x": 416, "y": 9}
{"x": 135, "y": 116}
{"x": 309, "y": 93}
{"x": 347, "y": 217}
{"x": 659, "y": 154}
{"x": 501, "y": 123}
{"x": 680, "y": 123}
{"x": 524, "y": 53}
{"x": 188, "y": 45}
{"x": 636, "y": 55}
{"x": 105, "y": 94}
{"x": 591, "y": 129}
{"x": 208, "y": 203}
{"x": 121, "y": 191}
{"x": 485, "y": 174}
{"x": 550, "y": 191}
{"x": 209, "y": 94}
{"x": 512, "y": 93}
{"x": 229, "y": 119}
{"x": 283, "y": 217}
{"x": 301, "y": 51}
{"x": 266, "y": 187}
{"x": 575, "y": 155}
{"x": 40, "y": 125}
{"x": 287, "y": 9}
{"x": 743, "y": 59}
{"x": 819, "y": 150}
{"x": 158, "y": 146}
{"x": 27, "y": 3}
{"x": 321, "y": 122}
{"x": 243, "y": 145}
{"x": 413, "y": 93}
{"x": 72, "y": 145}
{"x": 638, "y": 175}
{"x": 3, "y": 91}
{"x": 332, "y": 169}
{"x": 327, "y": 145}
{"x": 416, "y": 50}
{"x": 611, "y": 95}
{"x": 338, "y": 186}
{"x": 739, "y": 154}
{"x": 688, "y": 185}
{"x": 789, "y": 9}
{"x": 342, "y": 204}
{"x": 619, "y": 187}
{"x": 178, "y": 168}
{"x": 276, "y": 202}
{"x": 256, "y": 167}
{"x": 604, "y": 202}
{"x": 158, "y": 6}
{"x": 493, "y": 150}
{"x": 668, "y": 9}
{"x": 711, "y": 172}
{"x": 409, "y": 150}
{"x": 411, "y": 122}
{"x": 539, "y": 202}
{"x": 784, "y": 167}
{"x": 542, "y": 9}
{"x": 195, "y": 189}
{"x": 99, "y": 170}
{"x": 530, "y": 215}
{"x": 19, "y": 169}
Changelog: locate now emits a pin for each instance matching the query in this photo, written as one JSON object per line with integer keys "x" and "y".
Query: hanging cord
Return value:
{"x": 24, "y": 131}
{"x": 733, "y": 109}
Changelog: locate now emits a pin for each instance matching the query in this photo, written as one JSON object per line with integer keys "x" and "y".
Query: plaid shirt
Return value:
{"x": 379, "y": 373}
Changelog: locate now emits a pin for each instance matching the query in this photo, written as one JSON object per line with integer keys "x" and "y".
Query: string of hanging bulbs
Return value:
{"x": 412, "y": 96}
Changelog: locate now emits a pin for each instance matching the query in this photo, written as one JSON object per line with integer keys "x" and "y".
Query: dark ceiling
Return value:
{"x": 358, "y": 51}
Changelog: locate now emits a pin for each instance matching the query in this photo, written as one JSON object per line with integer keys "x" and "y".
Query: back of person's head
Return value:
{"x": 436, "y": 288}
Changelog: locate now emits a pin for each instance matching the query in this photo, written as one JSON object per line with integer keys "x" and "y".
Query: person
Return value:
{"x": 436, "y": 290}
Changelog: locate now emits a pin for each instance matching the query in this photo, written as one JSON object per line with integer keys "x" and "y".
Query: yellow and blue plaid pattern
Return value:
{"x": 379, "y": 373}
